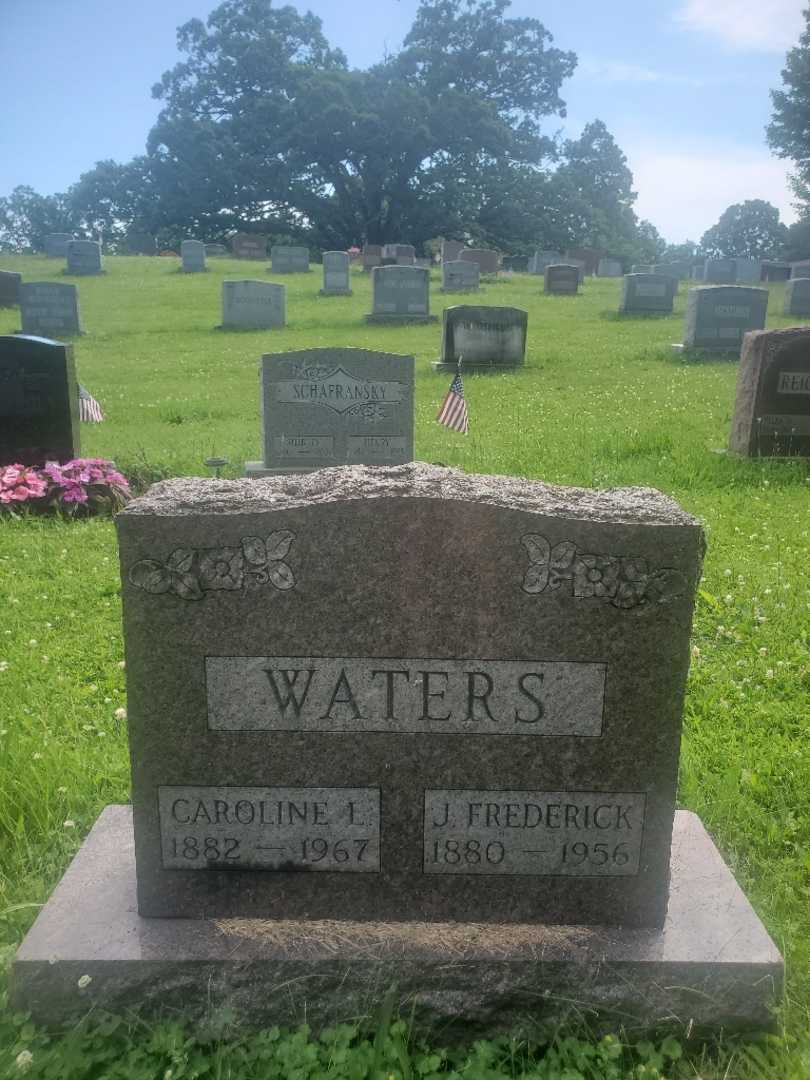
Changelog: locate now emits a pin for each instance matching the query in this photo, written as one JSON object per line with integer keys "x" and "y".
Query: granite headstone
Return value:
{"x": 336, "y": 274}
{"x": 487, "y": 259}
{"x": 372, "y": 256}
{"x": 797, "y": 298}
{"x": 647, "y": 293}
{"x": 772, "y": 410}
{"x": 249, "y": 246}
{"x": 253, "y": 305}
{"x": 9, "y": 288}
{"x": 609, "y": 268}
{"x": 399, "y": 254}
{"x": 775, "y": 271}
{"x": 39, "y": 401}
{"x": 451, "y": 249}
{"x": 289, "y": 259}
{"x": 541, "y": 259}
{"x": 562, "y": 279}
{"x": 56, "y": 244}
{"x": 49, "y": 309}
{"x": 588, "y": 256}
{"x": 720, "y": 271}
{"x": 84, "y": 257}
{"x": 460, "y": 276}
{"x": 192, "y": 252}
{"x": 719, "y": 316}
{"x": 748, "y": 271}
{"x": 400, "y": 294}
{"x": 483, "y": 337}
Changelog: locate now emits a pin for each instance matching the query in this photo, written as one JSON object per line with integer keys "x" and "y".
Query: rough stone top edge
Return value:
{"x": 185, "y": 496}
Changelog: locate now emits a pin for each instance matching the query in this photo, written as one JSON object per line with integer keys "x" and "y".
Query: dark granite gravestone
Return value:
{"x": 49, "y": 309}
{"x": 646, "y": 293}
{"x": 215, "y": 250}
{"x": 775, "y": 271}
{"x": 253, "y": 305}
{"x": 541, "y": 259}
{"x": 488, "y": 260}
{"x": 400, "y": 294}
{"x": 372, "y": 256}
{"x": 797, "y": 298}
{"x": 399, "y": 254}
{"x": 9, "y": 288}
{"x": 289, "y": 259}
{"x": 460, "y": 276}
{"x": 56, "y": 244}
{"x": 39, "y": 401}
{"x": 483, "y": 337}
{"x": 84, "y": 257}
{"x": 249, "y": 246}
{"x": 141, "y": 243}
{"x": 719, "y": 316}
{"x": 451, "y": 249}
{"x": 720, "y": 271}
{"x": 609, "y": 268}
{"x": 336, "y": 274}
{"x": 323, "y": 407}
{"x": 588, "y": 256}
{"x": 562, "y": 279}
{"x": 772, "y": 411}
{"x": 192, "y": 252}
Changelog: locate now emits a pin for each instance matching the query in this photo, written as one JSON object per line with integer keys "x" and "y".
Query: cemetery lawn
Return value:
{"x": 602, "y": 401}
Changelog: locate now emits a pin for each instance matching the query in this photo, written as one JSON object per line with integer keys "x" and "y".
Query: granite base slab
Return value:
{"x": 394, "y": 319}
{"x": 712, "y": 965}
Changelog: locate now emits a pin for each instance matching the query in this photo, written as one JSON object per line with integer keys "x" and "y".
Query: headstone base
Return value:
{"x": 393, "y": 319}
{"x": 255, "y": 470}
{"x": 714, "y": 350}
{"x": 711, "y": 965}
{"x": 335, "y": 292}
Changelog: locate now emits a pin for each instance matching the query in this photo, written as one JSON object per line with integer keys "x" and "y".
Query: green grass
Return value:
{"x": 603, "y": 401}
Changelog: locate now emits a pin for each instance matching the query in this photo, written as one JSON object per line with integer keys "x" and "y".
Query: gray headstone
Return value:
{"x": 647, "y": 293}
{"x": 588, "y": 257}
{"x": 681, "y": 271}
{"x": 141, "y": 243}
{"x": 56, "y": 244}
{"x": 541, "y": 259}
{"x": 460, "y": 276}
{"x": 797, "y": 297}
{"x": 800, "y": 269}
{"x": 49, "y": 309}
{"x": 562, "y": 279}
{"x": 9, "y": 288}
{"x": 289, "y": 259}
{"x": 253, "y": 305}
{"x": 323, "y": 407}
{"x": 487, "y": 259}
{"x": 372, "y": 256}
{"x": 400, "y": 254}
{"x": 215, "y": 250}
{"x": 192, "y": 252}
{"x": 748, "y": 270}
{"x": 775, "y": 271}
{"x": 720, "y": 271}
{"x": 400, "y": 294}
{"x": 772, "y": 410}
{"x": 270, "y": 734}
{"x": 39, "y": 401}
{"x": 718, "y": 316}
{"x": 451, "y": 249}
{"x": 609, "y": 268}
{"x": 336, "y": 274}
{"x": 84, "y": 257}
{"x": 483, "y": 336}
{"x": 249, "y": 245}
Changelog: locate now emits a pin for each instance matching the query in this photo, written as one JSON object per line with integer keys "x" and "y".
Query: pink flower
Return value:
{"x": 18, "y": 483}
{"x": 75, "y": 493}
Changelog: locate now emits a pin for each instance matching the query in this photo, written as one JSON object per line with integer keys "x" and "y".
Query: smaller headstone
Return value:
{"x": 720, "y": 271}
{"x": 372, "y": 256}
{"x": 49, "y": 309}
{"x": 9, "y": 288}
{"x": 141, "y": 243}
{"x": 56, "y": 244}
{"x": 84, "y": 257}
{"x": 192, "y": 252}
{"x": 249, "y": 245}
{"x": 775, "y": 271}
{"x": 400, "y": 294}
{"x": 562, "y": 279}
{"x": 324, "y": 407}
{"x": 253, "y": 305}
{"x": 609, "y": 268}
{"x": 772, "y": 410}
{"x": 647, "y": 293}
{"x": 797, "y": 297}
{"x": 483, "y": 337}
{"x": 541, "y": 259}
{"x": 39, "y": 401}
{"x": 719, "y": 316}
{"x": 451, "y": 249}
{"x": 748, "y": 270}
{"x": 215, "y": 250}
{"x": 800, "y": 269}
{"x": 460, "y": 276}
{"x": 487, "y": 259}
{"x": 289, "y": 259}
{"x": 336, "y": 270}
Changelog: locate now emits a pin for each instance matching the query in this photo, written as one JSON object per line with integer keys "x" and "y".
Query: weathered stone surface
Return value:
{"x": 719, "y": 316}
{"x": 797, "y": 297}
{"x": 460, "y": 276}
{"x": 646, "y": 293}
{"x": 336, "y": 274}
{"x": 451, "y": 249}
{"x": 49, "y": 309}
{"x": 485, "y": 336}
{"x": 192, "y": 252}
{"x": 39, "y": 401}
{"x": 9, "y": 288}
{"x": 249, "y": 245}
{"x": 720, "y": 271}
{"x": 711, "y": 965}
{"x": 56, "y": 244}
{"x": 289, "y": 259}
{"x": 323, "y": 407}
{"x": 84, "y": 257}
{"x": 562, "y": 279}
{"x": 566, "y": 580}
{"x": 609, "y": 268}
{"x": 400, "y": 294}
{"x": 487, "y": 259}
{"x": 253, "y": 305}
{"x": 772, "y": 410}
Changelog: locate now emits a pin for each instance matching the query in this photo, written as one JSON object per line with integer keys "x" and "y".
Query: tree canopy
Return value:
{"x": 750, "y": 229}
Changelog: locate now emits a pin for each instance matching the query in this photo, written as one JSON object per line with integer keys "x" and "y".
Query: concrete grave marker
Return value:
{"x": 39, "y": 401}
{"x": 400, "y": 294}
{"x": 192, "y": 252}
{"x": 84, "y": 257}
{"x": 609, "y": 268}
{"x": 719, "y": 316}
{"x": 253, "y": 305}
{"x": 562, "y": 279}
{"x": 324, "y": 407}
{"x": 647, "y": 293}
{"x": 485, "y": 337}
{"x": 720, "y": 271}
{"x": 9, "y": 288}
{"x": 797, "y": 298}
{"x": 460, "y": 276}
{"x": 49, "y": 309}
{"x": 488, "y": 260}
{"x": 56, "y": 244}
{"x": 249, "y": 245}
{"x": 772, "y": 410}
{"x": 336, "y": 274}
{"x": 289, "y": 259}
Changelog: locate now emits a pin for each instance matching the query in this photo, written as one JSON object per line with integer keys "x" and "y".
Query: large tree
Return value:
{"x": 789, "y": 129}
{"x": 750, "y": 230}
{"x": 26, "y": 218}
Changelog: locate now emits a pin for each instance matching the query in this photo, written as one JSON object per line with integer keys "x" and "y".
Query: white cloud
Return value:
{"x": 683, "y": 192}
{"x": 756, "y": 25}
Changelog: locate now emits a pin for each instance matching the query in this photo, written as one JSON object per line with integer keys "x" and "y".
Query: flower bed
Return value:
{"x": 79, "y": 487}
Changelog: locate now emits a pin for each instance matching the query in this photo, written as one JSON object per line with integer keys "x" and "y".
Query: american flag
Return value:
{"x": 453, "y": 413}
{"x": 89, "y": 409}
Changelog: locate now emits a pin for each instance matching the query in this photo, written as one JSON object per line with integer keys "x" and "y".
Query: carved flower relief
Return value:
{"x": 191, "y": 572}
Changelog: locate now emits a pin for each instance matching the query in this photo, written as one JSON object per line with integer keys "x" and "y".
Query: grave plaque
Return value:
{"x": 720, "y": 271}
{"x": 324, "y": 407}
{"x": 84, "y": 257}
{"x": 609, "y": 268}
{"x": 192, "y": 252}
{"x": 748, "y": 270}
{"x": 372, "y": 256}
{"x": 289, "y": 259}
{"x": 249, "y": 245}
{"x": 336, "y": 274}
{"x": 9, "y": 288}
{"x": 460, "y": 276}
{"x": 56, "y": 244}
{"x": 49, "y": 309}
{"x": 718, "y": 316}
{"x": 451, "y": 249}
{"x": 253, "y": 305}
{"x": 400, "y": 294}
{"x": 483, "y": 337}
{"x": 562, "y": 279}
{"x": 141, "y": 243}
{"x": 39, "y": 401}
{"x": 541, "y": 259}
{"x": 797, "y": 298}
{"x": 488, "y": 260}
{"x": 647, "y": 293}
{"x": 772, "y": 411}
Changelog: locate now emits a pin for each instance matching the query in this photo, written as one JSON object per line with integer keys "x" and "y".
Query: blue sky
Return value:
{"x": 682, "y": 85}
